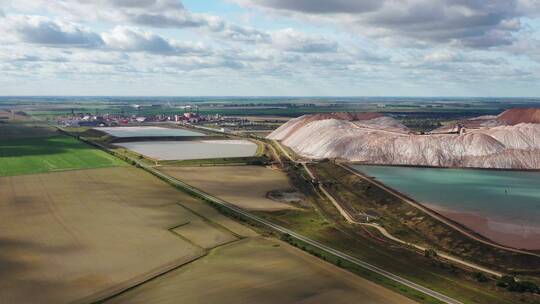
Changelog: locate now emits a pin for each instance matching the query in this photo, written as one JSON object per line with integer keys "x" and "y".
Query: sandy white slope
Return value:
{"x": 383, "y": 140}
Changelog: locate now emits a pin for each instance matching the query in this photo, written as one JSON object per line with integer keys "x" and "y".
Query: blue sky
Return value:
{"x": 270, "y": 47}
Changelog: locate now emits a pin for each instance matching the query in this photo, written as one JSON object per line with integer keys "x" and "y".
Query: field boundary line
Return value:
{"x": 105, "y": 295}
{"x": 212, "y": 223}
{"x": 206, "y": 252}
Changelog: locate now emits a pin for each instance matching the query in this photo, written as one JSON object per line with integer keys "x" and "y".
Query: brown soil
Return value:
{"x": 81, "y": 234}
{"x": 244, "y": 186}
{"x": 262, "y": 271}
{"x": 516, "y": 116}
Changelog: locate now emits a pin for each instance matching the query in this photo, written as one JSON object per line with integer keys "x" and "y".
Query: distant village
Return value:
{"x": 215, "y": 121}
{"x": 103, "y": 120}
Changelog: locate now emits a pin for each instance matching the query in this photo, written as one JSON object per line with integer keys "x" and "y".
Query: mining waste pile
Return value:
{"x": 510, "y": 140}
{"x": 516, "y": 116}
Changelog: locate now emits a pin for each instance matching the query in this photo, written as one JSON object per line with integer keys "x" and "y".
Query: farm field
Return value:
{"x": 46, "y": 154}
{"x": 14, "y": 116}
{"x": 147, "y": 131}
{"x": 244, "y": 186}
{"x": 82, "y": 236}
{"x": 194, "y": 205}
{"x": 257, "y": 270}
{"x": 186, "y": 150}
{"x": 16, "y": 131}
{"x": 204, "y": 234}
{"x": 74, "y": 235}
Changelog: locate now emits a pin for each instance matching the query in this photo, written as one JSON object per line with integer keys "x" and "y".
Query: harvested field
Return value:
{"x": 244, "y": 186}
{"x": 45, "y": 154}
{"x": 81, "y": 234}
{"x": 13, "y": 115}
{"x": 214, "y": 216}
{"x": 14, "y": 131}
{"x": 185, "y": 150}
{"x": 257, "y": 270}
{"x": 204, "y": 234}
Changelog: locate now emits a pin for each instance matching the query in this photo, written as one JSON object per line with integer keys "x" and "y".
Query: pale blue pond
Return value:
{"x": 200, "y": 149}
{"x": 148, "y": 131}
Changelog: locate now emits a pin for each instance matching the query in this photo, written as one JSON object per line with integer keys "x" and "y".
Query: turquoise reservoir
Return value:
{"x": 502, "y": 205}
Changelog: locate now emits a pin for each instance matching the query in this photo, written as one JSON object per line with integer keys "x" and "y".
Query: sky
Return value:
{"x": 270, "y": 47}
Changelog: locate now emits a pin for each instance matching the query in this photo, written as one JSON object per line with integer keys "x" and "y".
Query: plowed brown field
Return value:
{"x": 75, "y": 235}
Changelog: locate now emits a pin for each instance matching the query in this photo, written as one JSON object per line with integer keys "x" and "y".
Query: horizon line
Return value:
{"x": 269, "y": 96}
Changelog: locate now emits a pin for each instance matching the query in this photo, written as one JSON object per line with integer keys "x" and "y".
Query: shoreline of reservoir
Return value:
{"x": 500, "y": 206}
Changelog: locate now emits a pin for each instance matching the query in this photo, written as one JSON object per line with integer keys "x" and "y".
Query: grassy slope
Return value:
{"x": 409, "y": 223}
{"x": 428, "y": 272}
{"x": 215, "y": 161}
{"x": 45, "y": 154}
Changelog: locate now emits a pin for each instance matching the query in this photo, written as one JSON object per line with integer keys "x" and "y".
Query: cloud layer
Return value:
{"x": 470, "y": 23}
{"x": 274, "y": 47}
{"x": 41, "y": 30}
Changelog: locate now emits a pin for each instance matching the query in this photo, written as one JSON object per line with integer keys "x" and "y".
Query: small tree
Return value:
{"x": 430, "y": 253}
{"x": 506, "y": 281}
{"x": 510, "y": 283}
{"x": 480, "y": 277}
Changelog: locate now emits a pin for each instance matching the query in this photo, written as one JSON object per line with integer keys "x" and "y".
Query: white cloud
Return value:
{"x": 295, "y": 41}
{"x": 59, "y": 34}
{"x": 448, "y": 43}
{"x": 320, "y": 6}
{"x": 132, "y": 39}
{"x": 238, "y": 33}
{"x": 466, "y": 23}
{"x": 42, "y": 30}
{"x": 147, "y": 13}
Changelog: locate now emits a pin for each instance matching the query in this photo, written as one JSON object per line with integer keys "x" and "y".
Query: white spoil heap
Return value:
{"x": 377, "y": 139}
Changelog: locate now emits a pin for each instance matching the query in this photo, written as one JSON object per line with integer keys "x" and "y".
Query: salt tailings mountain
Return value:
{"x": 510, "y": 140}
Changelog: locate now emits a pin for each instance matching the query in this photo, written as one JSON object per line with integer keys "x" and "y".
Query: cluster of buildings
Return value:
{"x": 190, "y": 117}
{"x": 89, "y": 120}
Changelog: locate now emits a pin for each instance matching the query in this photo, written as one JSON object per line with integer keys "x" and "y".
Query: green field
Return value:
{"x": 46, "y": 154}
